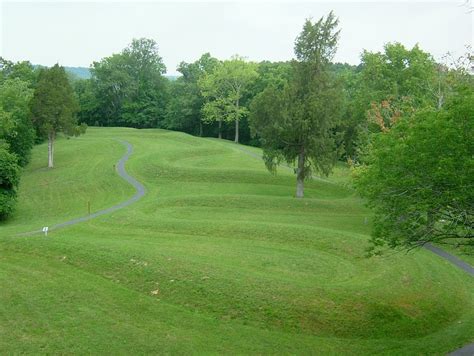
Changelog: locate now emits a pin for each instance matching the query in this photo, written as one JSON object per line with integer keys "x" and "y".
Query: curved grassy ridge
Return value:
{"x": 235, "y": 265}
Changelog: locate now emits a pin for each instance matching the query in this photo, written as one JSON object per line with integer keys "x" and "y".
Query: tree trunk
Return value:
{"x": 300, "y": 175}
{"x": 440, "y": 96}
{"x": 236, "y": 140}
{"x": 50, "y": 149}
{"x": 236, "y": 131}
{"x": 200, "y": 128}
{"x": 220, "y": 129}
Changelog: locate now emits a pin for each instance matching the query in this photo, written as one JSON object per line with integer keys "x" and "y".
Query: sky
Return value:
{"x": 76, "y": 33}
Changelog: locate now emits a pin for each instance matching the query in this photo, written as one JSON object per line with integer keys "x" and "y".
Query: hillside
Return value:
{"x": 79, "y": 72}
{"x": 217, "y": 257}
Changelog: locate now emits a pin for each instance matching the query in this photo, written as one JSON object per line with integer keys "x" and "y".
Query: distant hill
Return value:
{"x": 79, "y": 72}
{"x": 85, "y": 73}
{"x": 172, "y": 77}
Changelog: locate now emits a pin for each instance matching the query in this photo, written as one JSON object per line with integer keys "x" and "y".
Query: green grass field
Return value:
{"x": 218, "y": 257}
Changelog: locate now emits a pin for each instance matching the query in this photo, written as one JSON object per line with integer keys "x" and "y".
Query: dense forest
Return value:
{"x": 396, "y": 114}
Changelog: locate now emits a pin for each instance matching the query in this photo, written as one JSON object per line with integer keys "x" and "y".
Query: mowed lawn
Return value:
{"x": 218, "y": 257}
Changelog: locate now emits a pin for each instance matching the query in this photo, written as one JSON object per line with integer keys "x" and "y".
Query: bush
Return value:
{"x": 9, "y": 180}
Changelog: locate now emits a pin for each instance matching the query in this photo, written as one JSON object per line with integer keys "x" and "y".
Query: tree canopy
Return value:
{"x": 9, "y": 180}
{"x": 186, "y": 99}
{"x": 224, "y": 89}
{"x": 419, "y": 177}
{"x": 17, "y": 130}
{"x": 127, "y": 89}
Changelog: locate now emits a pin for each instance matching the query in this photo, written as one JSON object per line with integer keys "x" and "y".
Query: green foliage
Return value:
{"x": 88, "y": 102}
{"x": 271, "y": 74}
{"x": 54, "y": 104}
{"x": 419, "y": 178}
{"x": 224, "y": 89}
{"x": 9, "y": 180}
{"x": 21, "y": 70}
{"x": 17, "y": 134}
{"x": 298, "y": 120}
{"x": 399, "y": 72}
{"x": 16, "y": 126}
{"x": 186, "y": 100}
{"x": 405, "y": 78}
{"x": 352, "y": 117}
{"x": 128, "y": 88}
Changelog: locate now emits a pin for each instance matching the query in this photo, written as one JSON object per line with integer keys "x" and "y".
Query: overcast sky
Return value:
{"x": 77, "y": 33}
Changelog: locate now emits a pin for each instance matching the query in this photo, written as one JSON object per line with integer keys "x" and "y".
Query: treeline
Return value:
{"x": 214, "y": 97}
{"x": 35, "y": 104}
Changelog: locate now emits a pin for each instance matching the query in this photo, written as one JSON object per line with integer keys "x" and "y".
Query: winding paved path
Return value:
{"x": 139, "y": 193}
{"x": 453, "y": 259}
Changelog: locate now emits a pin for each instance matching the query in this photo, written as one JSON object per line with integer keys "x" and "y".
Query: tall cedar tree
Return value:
{"x": 296, "y": 122}
{"x": 54, "y": 107}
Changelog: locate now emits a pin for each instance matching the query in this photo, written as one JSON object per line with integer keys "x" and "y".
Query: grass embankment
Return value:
{"x": 217, "y": 257}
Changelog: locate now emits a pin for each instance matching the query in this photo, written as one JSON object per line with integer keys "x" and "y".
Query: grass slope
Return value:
{"x": 218, "y": 257}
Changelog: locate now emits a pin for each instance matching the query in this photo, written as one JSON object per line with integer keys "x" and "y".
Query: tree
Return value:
{"x": 17, "y": 81}
{"x": 297, "y": 122}
{"x": 275, "y": 74}
{"x": 130, "y": 87}
{"x": 398, "y": 79}
{"x": 21, "y": 70}
{"x": 15, "y": 96}
{"x": 54, "y": 107}
{"x": 224, "y": 89}
{"x": 186, "y": 101}
{"x": 419, "y": 177}
{"x": 89, "y": 112}
{"x": 9, "y": 180}
{"x": 351, "y": 117}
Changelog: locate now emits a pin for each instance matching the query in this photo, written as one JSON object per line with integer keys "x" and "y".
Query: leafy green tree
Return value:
{"x": 352, "y": 116}
{"x": 15, "y": 96}
{"x": 186, "y": 101}
{"x": 399, "y": 72}
{"x": 22, "y": 70}
{"x": 297, "y": 122}
{"x": 112, "y": 85}
{"x": 17, "y": 81}
{"x": 9, "y": 180}
{"x": 419, "y": 177}
{"x": 397, "y": 80}
{"x": 54, "y": 107}
{"x": 89, "y": 112}
{"x": 275, "y": 74}
{"x": 224, "y": 89}
{"x": 130, "y": 87}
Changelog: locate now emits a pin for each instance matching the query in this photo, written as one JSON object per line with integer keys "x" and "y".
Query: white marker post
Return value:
{"x": 45, "y": 230}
